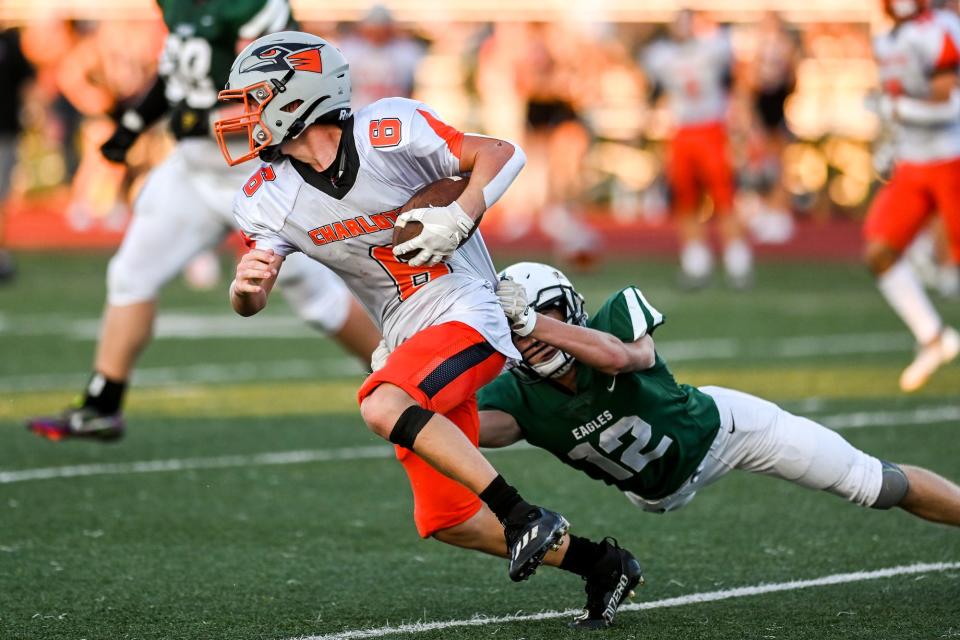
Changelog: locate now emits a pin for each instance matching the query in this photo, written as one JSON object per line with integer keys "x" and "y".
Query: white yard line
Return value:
{"x": 183, "y": 325}
{"x": 184, "y": 464}
{"x": 921, "y": 415}
{"x": 319, "y": 368}
{"x": 784, "y": 347}
{"x": 693, "y": 598}
{"x": 199, "y": 326}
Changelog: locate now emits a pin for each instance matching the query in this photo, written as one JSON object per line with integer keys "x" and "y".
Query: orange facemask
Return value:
{"x": 253, "y": 99}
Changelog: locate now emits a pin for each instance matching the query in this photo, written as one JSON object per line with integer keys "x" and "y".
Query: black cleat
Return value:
{"x": 612, "y": 581}
{"x": 530, "y": 537}
{"x": 82, "y": 422}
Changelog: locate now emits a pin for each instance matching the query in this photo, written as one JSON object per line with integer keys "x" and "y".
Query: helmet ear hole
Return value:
{"x": 291, "y": 106}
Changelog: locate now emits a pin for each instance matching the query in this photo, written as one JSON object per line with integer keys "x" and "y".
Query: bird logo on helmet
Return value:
{"x": 546, "y": 288}
{"x": 291, "y": 56}
{"x": 283, "y": 83}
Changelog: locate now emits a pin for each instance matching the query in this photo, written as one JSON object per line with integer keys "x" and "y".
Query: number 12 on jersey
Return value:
{"x": 407, "y": 279}
{"x": 633, "y": 462}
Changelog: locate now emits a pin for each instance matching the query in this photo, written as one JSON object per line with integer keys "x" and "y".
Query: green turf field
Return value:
{"x": 248, "y": 501}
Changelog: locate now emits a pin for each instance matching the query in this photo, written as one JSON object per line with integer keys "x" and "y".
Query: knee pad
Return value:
{"x": 893, "y": 488}
{"x": 413, "y": 419}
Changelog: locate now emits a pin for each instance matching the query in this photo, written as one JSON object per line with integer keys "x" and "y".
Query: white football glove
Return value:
{"x": 444, "y": 228}
{"x": 513, "y": 300}
{"x": 378, "y": 359}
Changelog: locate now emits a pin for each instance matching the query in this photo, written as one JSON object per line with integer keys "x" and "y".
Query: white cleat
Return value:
{"x": 930, "y": 358}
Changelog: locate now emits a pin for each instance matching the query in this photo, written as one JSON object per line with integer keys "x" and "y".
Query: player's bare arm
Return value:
{"x": 601, "y": 351}
{"x": 485, "y": 159}
{"x": 256, "y": 274}
{"x": 498, "y": 429}
{"x": 493, "y": 165}
{"x": 941, "y": 105}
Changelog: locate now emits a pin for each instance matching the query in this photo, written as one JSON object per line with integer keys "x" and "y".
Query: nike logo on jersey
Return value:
{"x": 353, "y": 227}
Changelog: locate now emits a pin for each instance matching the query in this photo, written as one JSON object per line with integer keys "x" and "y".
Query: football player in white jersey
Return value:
{"x": 184, "y": 209}
{"x": 693, "y": 70}
{"x": 918, "y": 63}
{"x": 331, "y": 190}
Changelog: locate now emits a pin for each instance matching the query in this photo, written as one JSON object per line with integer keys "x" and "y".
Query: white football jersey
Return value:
{"x": 394, "y": 148}
{"x": 907, "y": 58}
{"x": 692, "y": 73}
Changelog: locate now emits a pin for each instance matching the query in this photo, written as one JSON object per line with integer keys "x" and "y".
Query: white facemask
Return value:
{"x": 554, "y": 367}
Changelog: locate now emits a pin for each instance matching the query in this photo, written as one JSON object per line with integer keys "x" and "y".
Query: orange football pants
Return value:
{"x": 441, "y": 368}
{"x": 699, "y": 162}
{"x": 915, "y": 192}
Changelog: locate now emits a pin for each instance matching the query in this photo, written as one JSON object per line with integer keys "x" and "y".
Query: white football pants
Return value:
{"x": 186, "y": 207}
{"x": 758, "y": 436}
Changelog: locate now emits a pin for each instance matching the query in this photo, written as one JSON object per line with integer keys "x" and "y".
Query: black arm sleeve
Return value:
{"x": 153, "y": 104}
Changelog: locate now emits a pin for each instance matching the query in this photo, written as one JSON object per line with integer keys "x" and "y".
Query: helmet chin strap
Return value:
{"x": 555, "y": 367}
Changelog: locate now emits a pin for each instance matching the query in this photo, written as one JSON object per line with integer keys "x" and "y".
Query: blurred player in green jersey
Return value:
{"x": 186, "y": 207}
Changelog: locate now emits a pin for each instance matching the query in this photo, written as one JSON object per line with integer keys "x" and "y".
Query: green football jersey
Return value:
{"x": 202, "y": 44}
{"x": 640, "y": 431}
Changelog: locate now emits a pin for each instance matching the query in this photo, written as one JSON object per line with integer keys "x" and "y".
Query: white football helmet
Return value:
{"x": 546, "y": 287}
{"x": 285, "y": 82}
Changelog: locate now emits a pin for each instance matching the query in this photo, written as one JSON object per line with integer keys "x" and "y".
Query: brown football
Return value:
{"x": 436, "y": 194}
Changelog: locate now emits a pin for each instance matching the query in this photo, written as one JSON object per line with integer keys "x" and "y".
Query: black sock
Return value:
{"x": 582, "y": 555}
{"x": 504, "y": 500}
{"x": 103, "y": 394}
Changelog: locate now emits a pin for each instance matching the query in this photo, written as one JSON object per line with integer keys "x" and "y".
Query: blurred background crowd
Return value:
{"x": 575, "y": 85}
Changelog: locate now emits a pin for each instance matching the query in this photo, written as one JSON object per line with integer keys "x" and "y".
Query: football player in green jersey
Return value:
{"x": 186, "y": 207}
{"x": 598, "y": 396}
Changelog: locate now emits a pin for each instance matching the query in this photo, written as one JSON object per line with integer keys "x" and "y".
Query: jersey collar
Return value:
{"x": 337, "y": 179}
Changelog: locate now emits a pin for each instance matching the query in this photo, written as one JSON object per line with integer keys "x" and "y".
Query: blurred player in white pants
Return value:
{"x": 185, "y": 208}
{"x": 918, "y": 64}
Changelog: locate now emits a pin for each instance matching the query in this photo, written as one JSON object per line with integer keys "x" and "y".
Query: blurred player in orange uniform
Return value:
{"x": 694, "y": 71}
{"x": 918, "y": 63}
